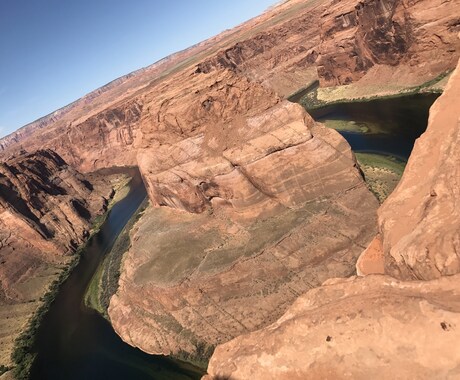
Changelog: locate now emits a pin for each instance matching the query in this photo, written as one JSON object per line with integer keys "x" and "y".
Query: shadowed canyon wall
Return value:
{"x": 46, "y": 212}
{"x": 418, "y": 36}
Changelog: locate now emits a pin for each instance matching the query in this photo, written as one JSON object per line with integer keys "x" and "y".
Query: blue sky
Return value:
{"x": 54, "y": 51}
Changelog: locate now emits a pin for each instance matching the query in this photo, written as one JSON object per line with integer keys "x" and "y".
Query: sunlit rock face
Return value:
{"x": 420, "y": 221}
{"x": 253, "y": 204}
{"x": 360, "y": 328}
{"x": 285, "y": 49}
{"x": 417, "y": 38}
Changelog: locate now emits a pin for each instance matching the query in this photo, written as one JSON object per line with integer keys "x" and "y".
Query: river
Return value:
{"x": 75, "y": 342}
{"x": 387, "y": 126}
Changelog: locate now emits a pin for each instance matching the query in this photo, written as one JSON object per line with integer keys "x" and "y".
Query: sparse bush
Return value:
{"x": 3, "y": 369}
{"x": 107, "y": 283}
{"x": 199, "y": 358}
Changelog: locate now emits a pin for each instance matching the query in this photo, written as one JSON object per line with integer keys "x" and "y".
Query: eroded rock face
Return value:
{"x": 102, "y": 140}
{"x": 253, "y": 204}
{"x": 46, "y": 211}
{"x": 273, "y": 208}
{"x": 109, "y": 127}
{"x": 357, "y": 35}
{"x": 359, "y": 328}
{"x": 261, "y": 203}
{"x": 231, "y": 160}
{"x": 282, "y": 50}
{"x": 420, "y": 221}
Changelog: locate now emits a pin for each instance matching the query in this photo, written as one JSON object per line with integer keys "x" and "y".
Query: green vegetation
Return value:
{"x": 429, "y": 86}
{"x": 349, "y": 126}
{"x": 382, "y": 173}
{"x": 200, "y": 358}
{"x": 104, "y": 283}
{"x": 3, "y": 369}
{"x": 23, "y": 355}
{"x": 391, "y": 163}
{"x": 299, "y": 94}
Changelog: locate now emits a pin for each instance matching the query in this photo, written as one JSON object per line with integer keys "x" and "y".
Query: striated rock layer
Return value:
{"x": 417, "y": 39}
{"x": 372, "y": 41}
{"x": 107, "y": 127}
{"x": 261, "y": 204}
{"x": 253, "y": 204}
{"x": 377, "y": 326}
{"x": 46, "y": 211}
{"x": 275, "y": 206}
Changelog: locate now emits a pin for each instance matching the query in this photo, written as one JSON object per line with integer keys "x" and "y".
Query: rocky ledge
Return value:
{"x": 420, "y": 221}
{"x": 358, "y": 328}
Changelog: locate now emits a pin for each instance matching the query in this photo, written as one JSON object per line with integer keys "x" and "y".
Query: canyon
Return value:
{"x": 47, "y": 211}
{"x": 255, "y": 208}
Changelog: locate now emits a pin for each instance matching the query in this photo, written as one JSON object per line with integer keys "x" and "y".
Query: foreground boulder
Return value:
{"x": 359, "y": 328}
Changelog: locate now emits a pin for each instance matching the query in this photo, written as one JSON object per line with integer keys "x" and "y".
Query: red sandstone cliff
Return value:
{"x": 46, "y": 211}
{"x": 420, "y": 221}
{"x": 273, "y": 209}
{"x": 284, "y": 50}
{"x": 274, "y": 203}
{"x": 418, "y": 39}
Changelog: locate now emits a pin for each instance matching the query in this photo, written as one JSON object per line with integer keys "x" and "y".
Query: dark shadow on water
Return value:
{"x": 400, "y": 120}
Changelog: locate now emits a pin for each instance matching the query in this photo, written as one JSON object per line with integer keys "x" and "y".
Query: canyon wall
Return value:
{"x": 420, "y": 221}
{"x": 415, "y": 38}
{"x": 255, "y": 218}
{"x": 46, "y": 212}
{"x": 261, "y": 204}
{"x": 284, "y": 50}
{"x": 253, "y": 203}
{"x": 105, "y": 128}
{"x": 226, "y": 150}
{"x": 378, "y": 326}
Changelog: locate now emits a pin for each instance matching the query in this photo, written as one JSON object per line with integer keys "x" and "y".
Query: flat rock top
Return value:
{"x": 373, "y": 327}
